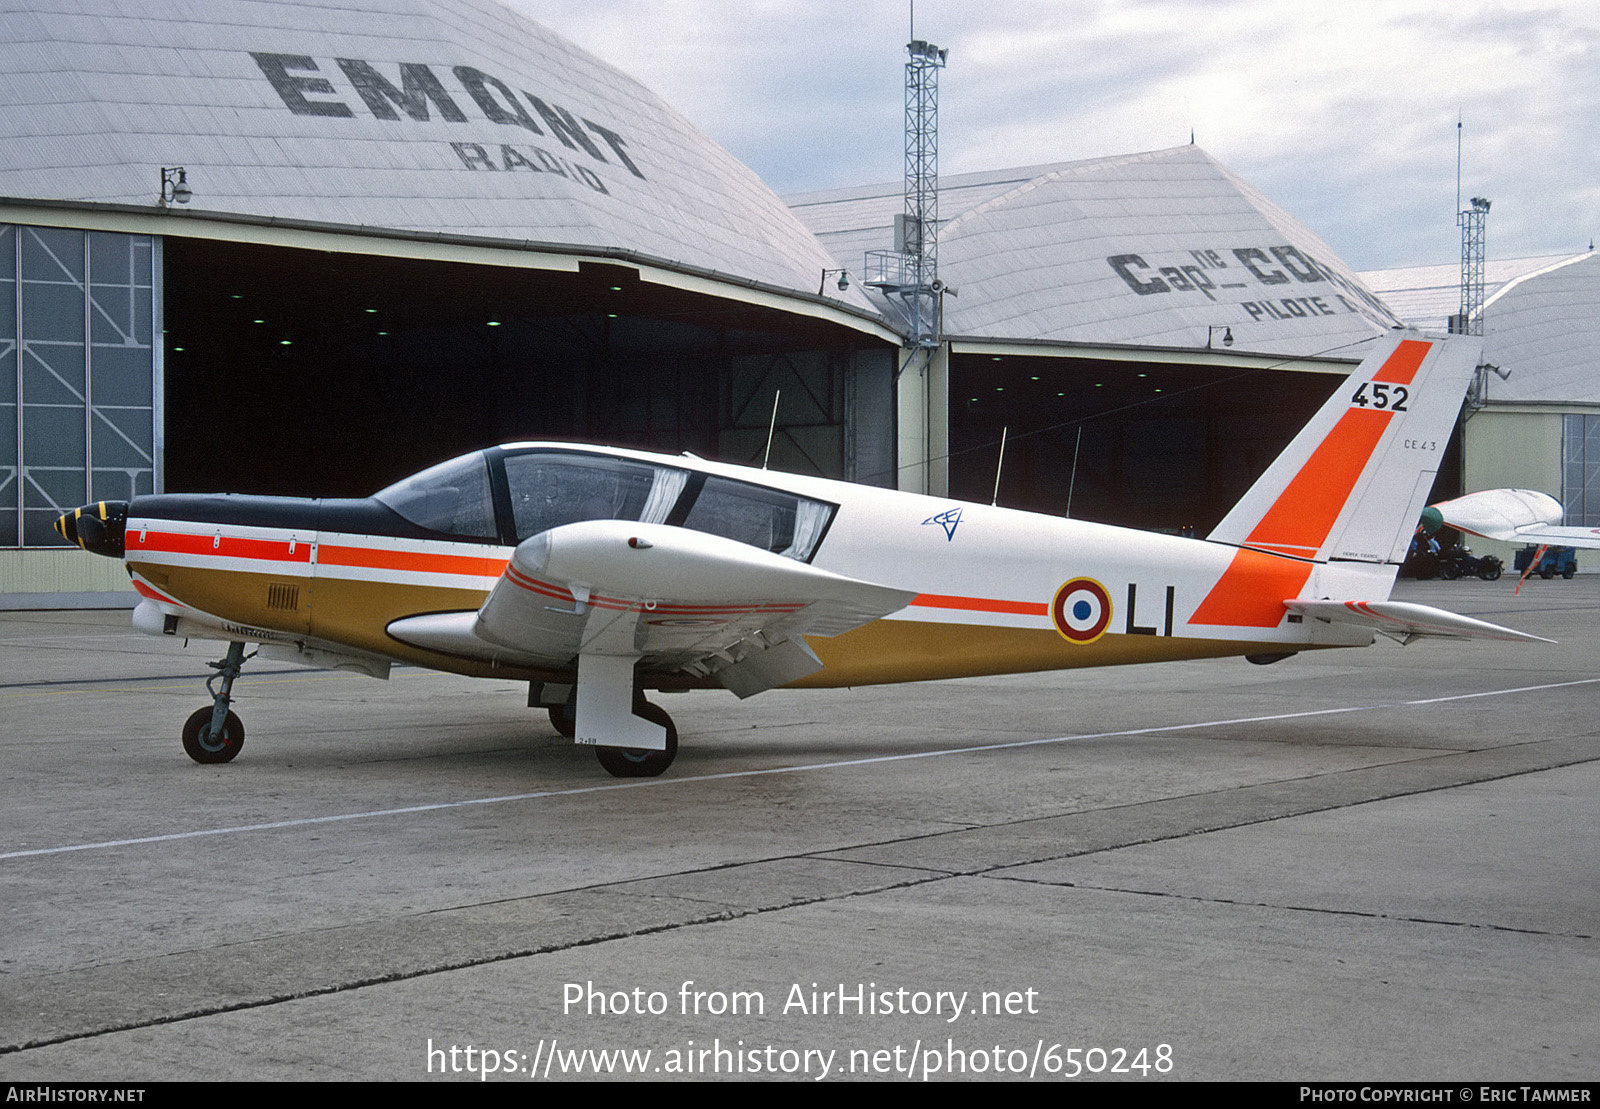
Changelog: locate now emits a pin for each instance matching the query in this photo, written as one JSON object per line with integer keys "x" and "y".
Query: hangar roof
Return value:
{"x": 1145, "y": 249}
{"x": 1541, "y": 320}
{"x": 446, "y": 117}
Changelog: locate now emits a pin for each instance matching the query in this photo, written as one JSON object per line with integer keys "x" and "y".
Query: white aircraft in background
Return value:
{"x": 597, "y": 574}
{"x": 1510, "y": 516}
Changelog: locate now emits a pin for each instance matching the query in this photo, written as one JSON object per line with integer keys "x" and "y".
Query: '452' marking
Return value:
{"x": 1392, "y": 397}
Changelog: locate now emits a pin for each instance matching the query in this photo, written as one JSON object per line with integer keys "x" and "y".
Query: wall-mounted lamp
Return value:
{"x": 1227, "y": 336}
{"x": 174, "y": 186}
{"x": 843, "y": 282}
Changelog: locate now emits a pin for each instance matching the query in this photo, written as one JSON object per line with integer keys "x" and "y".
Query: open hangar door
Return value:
{"x": 318, "y": 373}
{"x": 1164, "y": 446}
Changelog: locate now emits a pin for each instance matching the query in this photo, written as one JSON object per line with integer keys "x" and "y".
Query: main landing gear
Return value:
{"x": 635, "y": 762}
{"x": 623, "y": 762}
{"x": 215, "y": 734}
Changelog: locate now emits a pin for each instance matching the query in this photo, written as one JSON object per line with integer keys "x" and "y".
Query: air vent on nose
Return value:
{"x": 282, "y": 597}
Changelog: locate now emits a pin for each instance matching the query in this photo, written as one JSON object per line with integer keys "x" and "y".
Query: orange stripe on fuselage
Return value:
{"x": 1251, "y": 591}
{"x": 980, "y": 604}
{"x": 415, "y": 561}
{"x": 223, "y": 546}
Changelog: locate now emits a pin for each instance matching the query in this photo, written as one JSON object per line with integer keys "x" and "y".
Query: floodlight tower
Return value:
{"x": 1469, "y": 321}
{"x": 917, "y": 231}
{"x": 1472, "y": 221}
{"x": 909, "y": 274}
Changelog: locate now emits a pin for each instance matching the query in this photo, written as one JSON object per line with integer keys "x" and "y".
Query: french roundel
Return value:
{"x": 1081, "y": 610}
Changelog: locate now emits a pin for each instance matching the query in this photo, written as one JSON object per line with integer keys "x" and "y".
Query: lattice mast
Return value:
{"x": 918, "y": 232}
{"x": 1472, "y": 221}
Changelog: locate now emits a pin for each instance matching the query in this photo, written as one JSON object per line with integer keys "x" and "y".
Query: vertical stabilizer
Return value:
{"x": 1352, "y": 484}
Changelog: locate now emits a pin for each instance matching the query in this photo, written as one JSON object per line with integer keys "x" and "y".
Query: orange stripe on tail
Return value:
{"x": 1307, "y": 509}
{"x": 1251, "y": 591}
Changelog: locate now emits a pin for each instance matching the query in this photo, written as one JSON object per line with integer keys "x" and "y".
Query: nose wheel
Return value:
{"x": 215, "y": 734}
{"x": 203, "y": 744}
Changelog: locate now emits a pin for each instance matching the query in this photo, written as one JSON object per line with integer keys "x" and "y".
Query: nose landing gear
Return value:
{"x": 215, "y": 734}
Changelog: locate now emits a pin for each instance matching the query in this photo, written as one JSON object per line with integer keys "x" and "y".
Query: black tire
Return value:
{"x": 635, "y": 762}
{"x": 1568, "y": 572}
{"x": 208, "y": 750}
{"x": 561, "y": 722}
{"x": 1547, "y": 574}
{"x": 1490, "y": 571}
{"x": 1450, "y": 571}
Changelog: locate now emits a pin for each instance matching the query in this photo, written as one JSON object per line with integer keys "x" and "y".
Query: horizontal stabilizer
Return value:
{"x": 1403, "y": 621}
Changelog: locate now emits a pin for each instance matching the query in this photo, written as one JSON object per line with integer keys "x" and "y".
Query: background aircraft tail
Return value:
{"x": 1352, "y": 484}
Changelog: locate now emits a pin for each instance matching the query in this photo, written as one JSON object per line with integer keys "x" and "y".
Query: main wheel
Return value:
{"x": 204, "y": 748}
{"x": 561, "y": 722}
{"x": 635, "y": 762}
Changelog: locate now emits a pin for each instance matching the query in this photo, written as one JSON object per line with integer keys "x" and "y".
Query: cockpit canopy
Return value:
{"x": 506, "y": 494}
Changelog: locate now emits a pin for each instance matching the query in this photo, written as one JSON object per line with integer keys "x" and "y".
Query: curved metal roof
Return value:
{"x": 1154, "y": 249}
{"x": 452, "y": 117}
{"x": 1541, "y": 321}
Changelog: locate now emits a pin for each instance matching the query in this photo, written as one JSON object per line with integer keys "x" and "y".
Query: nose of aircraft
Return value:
{"x": 96, "y": 527}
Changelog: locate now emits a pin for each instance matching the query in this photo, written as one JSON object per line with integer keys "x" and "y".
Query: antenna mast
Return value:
{"x": 919, "y": 239}
{"x": 1473, "y": 222}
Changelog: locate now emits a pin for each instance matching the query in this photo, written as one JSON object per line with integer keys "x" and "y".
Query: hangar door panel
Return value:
{"x": 809, "y": 436}
{"x": 77, "y": 375}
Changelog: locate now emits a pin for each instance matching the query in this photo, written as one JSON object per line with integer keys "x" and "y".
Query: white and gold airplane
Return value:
{"x": 597, "y": 574}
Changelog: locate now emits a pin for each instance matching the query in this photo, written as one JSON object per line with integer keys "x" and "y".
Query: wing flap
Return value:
{"x": 1405, "y": 621}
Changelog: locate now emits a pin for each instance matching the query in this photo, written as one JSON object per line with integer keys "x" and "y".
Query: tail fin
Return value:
{"x": 1353, "y": 482}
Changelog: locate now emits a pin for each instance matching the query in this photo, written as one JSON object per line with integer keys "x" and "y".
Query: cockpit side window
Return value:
{"x": 452, "y": 498}
{"x": 771, "y": 519}
{"x": 549, "y": 489}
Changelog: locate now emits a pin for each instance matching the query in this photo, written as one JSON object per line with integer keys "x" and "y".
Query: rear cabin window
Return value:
{"x": 782, "y": 523}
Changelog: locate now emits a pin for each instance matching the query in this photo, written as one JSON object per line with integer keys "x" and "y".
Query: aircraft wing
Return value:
{"x": 674, "y": 599}
{"x": 1514, "y": 516}
{"x": 1404, "y": 621}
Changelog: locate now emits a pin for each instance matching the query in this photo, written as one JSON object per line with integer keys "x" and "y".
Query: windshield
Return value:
{"x": 453, "y": 498}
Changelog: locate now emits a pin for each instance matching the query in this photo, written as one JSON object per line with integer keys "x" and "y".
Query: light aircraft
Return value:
{"x": 1511, "y": 516}
{"x": 597, "y": 574}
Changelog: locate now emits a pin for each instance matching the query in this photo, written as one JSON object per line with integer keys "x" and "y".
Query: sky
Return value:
{"x": 1343, "y": 113}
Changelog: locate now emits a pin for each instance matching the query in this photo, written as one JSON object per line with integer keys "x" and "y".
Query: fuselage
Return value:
{"x": 996, "y": 590}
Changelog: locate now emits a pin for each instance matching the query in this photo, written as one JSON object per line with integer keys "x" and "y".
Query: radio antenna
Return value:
{"x": 772, "y": 425}
{"x": 999, "y": 464}
{"x": 1073, "y": 480}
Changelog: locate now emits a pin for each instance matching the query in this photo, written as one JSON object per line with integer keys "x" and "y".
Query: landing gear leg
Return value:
{"x": 215, "y": 734}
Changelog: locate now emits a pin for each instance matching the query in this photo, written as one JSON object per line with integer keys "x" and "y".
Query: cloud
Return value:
{"x": 1343, "y": 114}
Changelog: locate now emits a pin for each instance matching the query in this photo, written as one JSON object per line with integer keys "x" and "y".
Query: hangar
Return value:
{"x": 292, "y": 248}
{"x": 285, "y": 248}
{"x": 1146, "y": 330}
